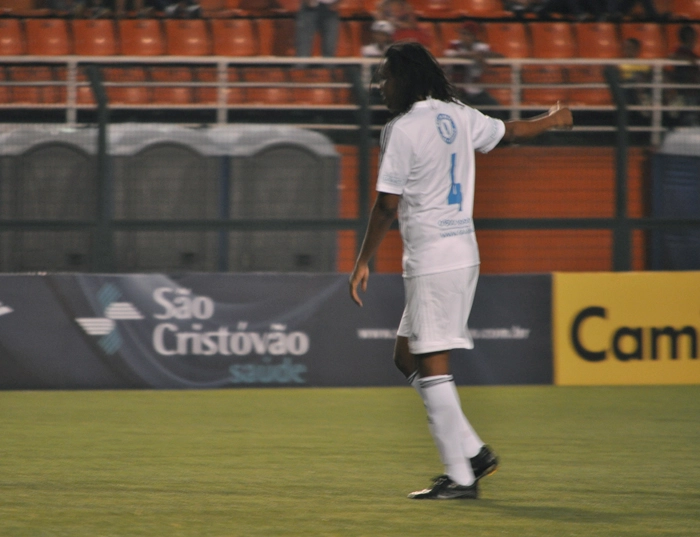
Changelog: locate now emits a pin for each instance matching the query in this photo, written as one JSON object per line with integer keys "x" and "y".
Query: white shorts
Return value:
{"x": 437, "y": 310}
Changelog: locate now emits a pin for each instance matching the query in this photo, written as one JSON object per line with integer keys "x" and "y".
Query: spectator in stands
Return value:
{"x": 124, "y": 7}
{"x": 465, "y": 77}
{"x": 579, "y": 10}
{"x": 686, "y": 74}
{"x": 633, "y": 73}
{"x": 317, "y": 16}
{"x": 382, "y": 37}
{"x": 393, "y": 11}
{"x": 96, "y": 9}
{"x": 67, "y": 8}
{"x": 178, "y": 9}
{"x": 619, "y": 9}
{"x": 520, "y": 8}
{"x": 401, "y": 15}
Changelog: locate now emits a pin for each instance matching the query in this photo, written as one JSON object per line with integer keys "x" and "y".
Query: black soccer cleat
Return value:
{"x": 484, "y": 463}
{"x": 445, "y": 489}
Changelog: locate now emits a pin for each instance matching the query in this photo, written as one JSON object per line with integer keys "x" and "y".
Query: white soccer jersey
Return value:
{"x": 427, "y": 157}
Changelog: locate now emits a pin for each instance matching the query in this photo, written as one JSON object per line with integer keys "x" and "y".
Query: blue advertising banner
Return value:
{"x": 80, "y": 331}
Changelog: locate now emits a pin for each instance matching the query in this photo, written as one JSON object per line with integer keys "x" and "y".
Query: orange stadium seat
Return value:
{"x": 549, "y": 40}
{"x": 498, "y": 75}
{"x": 5, "y": 91}
{"x": 22, "y": 5}
{"x": 47, "y": 37}
{"x": 234, "y": 37}
{"x": 276, "y": 37}
{"x": 84, "y": 93}
{"x": 136, "y": 94}
{"x": 318, "y": 95}
{"x": 510, "y": 40}
{"x": 60, "y": 74}
{"x": 430, "y": 29}
{"x": 347, "y": 8}
{"x": 449, "y": 31}
{"x": 141, "y": 37}
{"x": 229, "y": 8}
{"x": 316, "y": 46}
{"x": 266, "y": 30}
{"x": 594, "y": 40}
{"x": 371, "y": 6}
{"x": 552, "y": 40}
{"x": 650, "y": 36}
{"x": 266, "y": 94}
{"x": 349, "y": 40}
{"x": 209, "y": 95}
{"x": 41, "y": 94}
{"x": 11, "y": 37}
{"x": 437, "y": 9}
{"x": 342, "y": 95}
{"x": 287, "y": 7}
{"x": 94, "y": 37}
{"x": 597, "y": 40}
{"x": 171, "y": 94}
{"x": 211, "y": 8}
{"x": 690, "y": 9}
{"x": 491, "y": 9}
{"x": 187, "y": 37}
{"x": 23, "y": 8}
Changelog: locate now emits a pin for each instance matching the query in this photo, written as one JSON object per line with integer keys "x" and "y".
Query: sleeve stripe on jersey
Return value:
{"x": 386, "y": 133}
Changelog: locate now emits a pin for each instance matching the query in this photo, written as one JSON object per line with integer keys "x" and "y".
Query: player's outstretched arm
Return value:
{"x": 382, "y": 216}
{"x": 558, "y": 117}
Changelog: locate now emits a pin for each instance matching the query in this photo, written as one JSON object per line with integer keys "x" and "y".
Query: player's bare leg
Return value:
{"x": 403, "y": 359}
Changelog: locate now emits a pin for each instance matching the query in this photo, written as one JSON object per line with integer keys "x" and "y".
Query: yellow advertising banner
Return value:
{"x": 626, "y": 328}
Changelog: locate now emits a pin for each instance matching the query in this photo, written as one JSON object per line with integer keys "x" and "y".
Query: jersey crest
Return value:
{"x": 447, "y": 128}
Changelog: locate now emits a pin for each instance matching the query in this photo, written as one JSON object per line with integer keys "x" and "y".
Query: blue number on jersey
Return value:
{"x": 455, "y": 195}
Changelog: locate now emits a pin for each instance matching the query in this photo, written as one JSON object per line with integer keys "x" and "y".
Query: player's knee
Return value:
{"x": 404, "y": 361}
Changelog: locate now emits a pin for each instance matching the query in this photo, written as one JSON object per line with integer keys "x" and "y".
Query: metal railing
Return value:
{"x": 363, "y": 118}
{"x": 220, "y": 110}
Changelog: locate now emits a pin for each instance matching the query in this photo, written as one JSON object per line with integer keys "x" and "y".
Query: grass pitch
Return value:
{"x": 339, "y": 462}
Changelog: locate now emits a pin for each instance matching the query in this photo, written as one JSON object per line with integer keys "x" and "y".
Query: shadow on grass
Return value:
{"x": 552, "y": 512}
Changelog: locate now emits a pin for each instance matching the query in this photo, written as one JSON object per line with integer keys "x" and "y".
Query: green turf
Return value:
{"x": 339, "y": 462}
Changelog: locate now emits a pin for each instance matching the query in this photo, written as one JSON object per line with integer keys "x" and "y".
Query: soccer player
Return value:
{"x": 426, "y": 175}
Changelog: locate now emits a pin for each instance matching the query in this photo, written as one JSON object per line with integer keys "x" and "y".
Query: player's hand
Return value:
{"x": 561, "y": 116}
{"x": 359, "y": 277}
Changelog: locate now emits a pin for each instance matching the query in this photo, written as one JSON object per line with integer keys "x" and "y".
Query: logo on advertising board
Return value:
{"x": 626, "y": 328}
{"x": 114, "y": 310}
{"x": 5, "y": 309}
{"x": 179, "y": 337}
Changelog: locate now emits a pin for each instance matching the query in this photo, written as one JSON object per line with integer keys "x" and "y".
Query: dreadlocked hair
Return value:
{"x": 418, "y": 74}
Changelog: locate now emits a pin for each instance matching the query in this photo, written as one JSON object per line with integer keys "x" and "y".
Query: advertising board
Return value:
{"x": 626, "y": 328}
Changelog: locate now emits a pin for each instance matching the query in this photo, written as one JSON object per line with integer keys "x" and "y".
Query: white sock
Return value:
{"x": 471, "y": 443}
{"x": 446, "y": 417}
